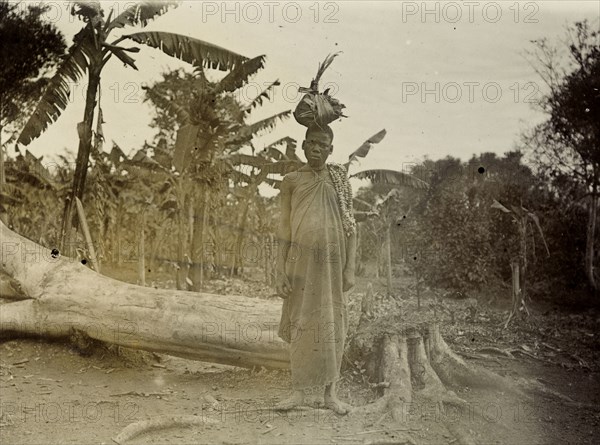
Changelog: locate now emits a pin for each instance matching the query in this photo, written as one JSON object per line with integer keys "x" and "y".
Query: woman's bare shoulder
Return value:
{"x": 292, "y": 178}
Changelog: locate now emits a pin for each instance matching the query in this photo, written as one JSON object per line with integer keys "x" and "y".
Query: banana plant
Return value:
{"x": 267, "y": 161}
{"x": 393, "y": 178}
{"x": 523, "y": 219}
{"x": 212, "y": 129}
{"x": 91, "y": 50}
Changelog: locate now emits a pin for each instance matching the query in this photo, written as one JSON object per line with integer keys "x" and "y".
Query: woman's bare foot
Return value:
{"x": 333, "y": 403}
{"x": 296, "y": 399}
{"x": 319, "y": 402}
{"x": 336, "y": 405}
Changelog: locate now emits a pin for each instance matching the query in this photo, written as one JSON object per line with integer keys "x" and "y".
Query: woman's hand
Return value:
{"x": 283, "y": 286}
{"x": 349, "y": 280}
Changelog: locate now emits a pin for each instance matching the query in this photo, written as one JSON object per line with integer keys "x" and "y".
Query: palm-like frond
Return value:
{"x": 239, "y": 76}
{"x": 140, "y": 14}
{"x": 536, "y": 220}
{"x": 290, "y": 150}
{"x": 269, "y": 123}
{"x": 258, "y": 100}
{"x": 239, "y": 177}
{"x": 275, "y": 183}
{"x": 392, "y": 195}
{"x": 141, "y": 159}
{"x": 362, "y": 202}
{"x": 393, "y": 177}
{"x": 246, "y": 133}
{"x": 497, "y": 205}
{"x": 282, "y": 167}
{"x": 364, "y": 149}
{"x": 31, "y": 170}
{"x": 243, "y": 159}
{"x": 56, "y": 96}
{"x": 522, "y": 212}
{"x": 116, "y": 154}
{"x": 272, "y": 152}
{"x": 190, "y": 50}
{"x": 322, "y": 67}
{"x": 122, "y": 55}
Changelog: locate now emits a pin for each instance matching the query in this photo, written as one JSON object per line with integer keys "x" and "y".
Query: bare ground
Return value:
{"x": 81, "y": 393}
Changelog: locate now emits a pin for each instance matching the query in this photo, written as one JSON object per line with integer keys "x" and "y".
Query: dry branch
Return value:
{"x": 160, "y": 423}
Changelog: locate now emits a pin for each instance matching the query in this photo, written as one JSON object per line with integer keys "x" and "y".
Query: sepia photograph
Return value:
{"x": 300, "y": 222}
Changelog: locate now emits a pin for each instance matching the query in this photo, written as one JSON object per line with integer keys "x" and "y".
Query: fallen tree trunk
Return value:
{"x": 59, "y": 296}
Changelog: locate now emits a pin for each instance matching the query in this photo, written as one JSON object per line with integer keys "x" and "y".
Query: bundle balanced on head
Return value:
{"x": 317, "y": 257}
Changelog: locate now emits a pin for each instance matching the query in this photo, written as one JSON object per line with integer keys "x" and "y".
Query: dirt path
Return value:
{"x": 60, "y": 396}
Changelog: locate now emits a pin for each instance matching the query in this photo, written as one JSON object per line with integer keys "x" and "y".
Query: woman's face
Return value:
{"x": 317, "y": 148}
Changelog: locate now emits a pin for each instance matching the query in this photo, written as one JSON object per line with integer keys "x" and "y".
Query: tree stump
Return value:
{"x": 411, "y": 357}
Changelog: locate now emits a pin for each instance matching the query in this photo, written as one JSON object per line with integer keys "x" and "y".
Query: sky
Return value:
{"x": 443, "y": 78}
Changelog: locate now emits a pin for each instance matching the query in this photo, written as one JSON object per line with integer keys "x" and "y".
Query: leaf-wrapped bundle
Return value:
{"x": 318, "y": 108}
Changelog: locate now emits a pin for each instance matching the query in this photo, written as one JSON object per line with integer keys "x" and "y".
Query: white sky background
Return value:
{"x": 389, "y": 48}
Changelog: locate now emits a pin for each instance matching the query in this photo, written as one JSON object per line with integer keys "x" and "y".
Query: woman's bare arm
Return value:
{"x": 284, "y": 236}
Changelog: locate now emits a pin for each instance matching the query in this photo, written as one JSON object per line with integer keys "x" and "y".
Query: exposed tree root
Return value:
{"x": 160, "y": 423}
{"x": 453, "y": 370}
{"x": 430, "y": 385}
{"x": 492, "y": 350}
{"x": 539, "y": 389}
